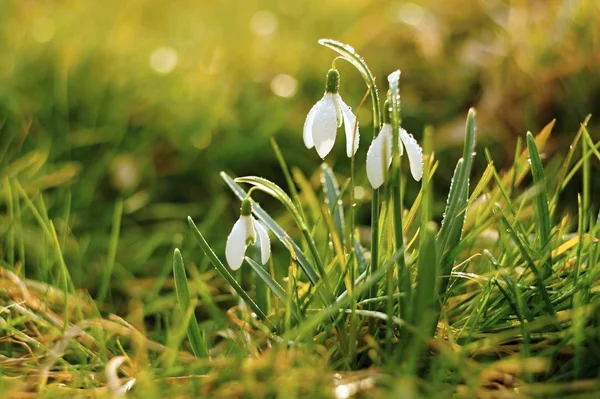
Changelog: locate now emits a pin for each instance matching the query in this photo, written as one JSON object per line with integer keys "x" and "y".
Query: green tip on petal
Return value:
{"x": 333, "y": 81}
{"x": 246, "y": 208}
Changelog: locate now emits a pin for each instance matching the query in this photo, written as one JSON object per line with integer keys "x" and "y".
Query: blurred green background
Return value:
{"x": 146, "y": 101}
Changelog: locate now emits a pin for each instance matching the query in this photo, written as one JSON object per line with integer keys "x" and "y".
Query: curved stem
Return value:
{"x": 350, "y": 55}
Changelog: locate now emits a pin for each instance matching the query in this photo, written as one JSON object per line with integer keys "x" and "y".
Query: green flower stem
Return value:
{"x": 350, "y": 55}
{"x": 403, "y": 276}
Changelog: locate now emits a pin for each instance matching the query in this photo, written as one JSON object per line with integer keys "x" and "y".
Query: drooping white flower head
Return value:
{"x": 244, "y": 233}
{"x": 324, "y": 118}
{"x": 379, "y": 155}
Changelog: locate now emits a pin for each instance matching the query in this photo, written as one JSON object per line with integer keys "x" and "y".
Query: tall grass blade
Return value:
{"x": 541, "y": 200}
{"x": 184, "y": 300}
{"x": 112, "y": 252}
{"x": 333, "y": 200}
{"x": 539, "y": 279}
{"x": 455, "y": 212}
{"x": 268, "y": 280}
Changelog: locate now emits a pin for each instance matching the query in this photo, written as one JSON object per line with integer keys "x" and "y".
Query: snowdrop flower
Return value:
{"x": 244, "y": 233}
{"x": 379, "y": 155}
{"x": 326, "y": 116}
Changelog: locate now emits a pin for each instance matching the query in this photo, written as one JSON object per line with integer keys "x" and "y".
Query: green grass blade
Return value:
{"x": 266, "y": 277}
{"x": 360, "y": 256}
{"x": 541, "y": 200}
{"x": 185, "y": 303}
{"x": 333, "y": 200}
{"x": 345, "y": 299}
{"x": 226, "y": 275}
{"x": 288, "y": 177}
{"x": 427, "y": 271}
{"x": 525, "y": 253}
{"x": 455, "y": 213}
{"x": 112, "y": 252}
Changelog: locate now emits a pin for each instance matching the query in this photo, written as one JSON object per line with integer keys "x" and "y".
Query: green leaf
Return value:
{"x": 333, "y": 200}
{"x": 286, "y": 173}
{"x": 266, "y": 277}
{"x": 343, "y": 301}
{"x": 112, "y": 251}
{"x": 528, "y": 258}
{"x": 360, "y": 256}
{"x": 185, "y": 305}
{"x": 226, "y": 275}
{"x": 541, "y": 199}
{"x": 456, "y": 204}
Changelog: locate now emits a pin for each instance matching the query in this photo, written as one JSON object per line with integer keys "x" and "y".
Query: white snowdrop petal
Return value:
{"x": 375, "y": 156}
{"x": 324, "y": 126}
{"x": 415, "y": 154}
{"x": 352, "y": 134}
{"x": 236, "y": 245}
{"x": 265, "y": 243}
{"x": 307, "y": 131}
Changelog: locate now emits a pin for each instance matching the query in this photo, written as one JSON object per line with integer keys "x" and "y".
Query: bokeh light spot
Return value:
{"x": 284, "y": 85}
{"x": 163, "y": 60}
{"x": 359, "y": 193}
{"x": 263, "y": 23}
{"x": 411, "y": 14}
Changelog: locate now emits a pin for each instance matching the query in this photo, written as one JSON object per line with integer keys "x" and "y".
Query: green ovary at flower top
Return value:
{"x": 244, "y": 233}
{"x": 324, "y": 118}
{"x": 382, "y": 147}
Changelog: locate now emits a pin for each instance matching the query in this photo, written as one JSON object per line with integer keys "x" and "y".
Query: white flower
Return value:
{"x": 377, "y": 164}
{"x": 244, "y": 233}
{"x": 324, "y": 118}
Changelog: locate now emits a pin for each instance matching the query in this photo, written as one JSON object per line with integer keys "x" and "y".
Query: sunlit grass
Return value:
{"x": 116, "y": 120}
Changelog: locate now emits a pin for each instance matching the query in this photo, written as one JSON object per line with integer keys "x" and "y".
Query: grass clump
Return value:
{"x": 500, "y": 300}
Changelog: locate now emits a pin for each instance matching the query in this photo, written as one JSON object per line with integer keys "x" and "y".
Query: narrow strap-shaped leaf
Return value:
{"x": 343, "y": 301}
{"x": 226, "y": 275}
{"x": 455, "y": 211}
{"x": 288, "y": 177}
{"x": 456, "y": 204}
{"x": 541, "y": 199}
{"x": 360, "y": 256}
{"x": 333, "y": 200}
{"x": 274, "y": 286}
{"x": 536, "y": 273}
{"x": 183, "y": 298}
{"x": 266, "y": 277}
